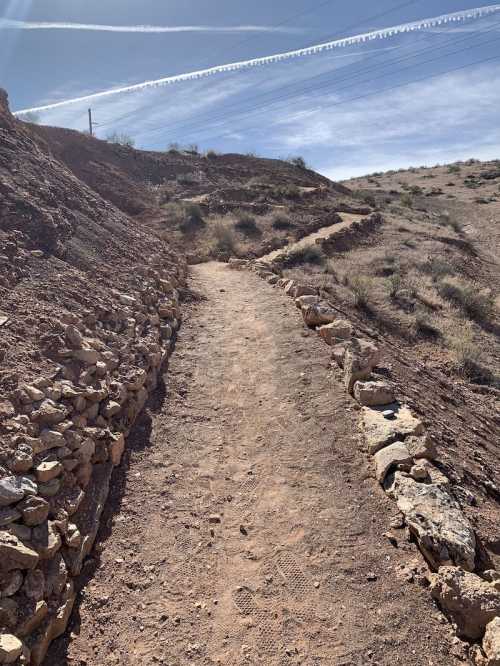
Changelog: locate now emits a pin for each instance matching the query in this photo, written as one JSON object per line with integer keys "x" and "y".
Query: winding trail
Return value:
{"x": 310, "y": 239}
{"x": 244, "y": 526}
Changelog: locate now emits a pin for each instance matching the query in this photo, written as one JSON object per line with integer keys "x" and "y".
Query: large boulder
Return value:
{"x": 380, "y": 431}
{"x": 303, "y": 301}
{"x": 317, "y": 315}
{"x": 337, "y": 330}
{"x": 375, "y": 393}
{"x": 491, "y": 642}
{"x": 470, "y": 602}
{"x": 443, "y": 533}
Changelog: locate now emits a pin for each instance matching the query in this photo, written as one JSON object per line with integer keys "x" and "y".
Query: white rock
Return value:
{"x": 444, "y": 534}
{"x": 374, "y": 393}
{"x": 303, "y": 301}
{"x": 469, "y": 601}
{"x": 391, "y": 456}
{"x": 317, "y": 315}
{"x": 10, "y": 648}
{"x": 337, "y": 330}
{"x": 491, "y": 642}
{"x": 380, "y": 432}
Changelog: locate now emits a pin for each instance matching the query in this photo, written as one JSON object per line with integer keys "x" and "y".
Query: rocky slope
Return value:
{"x": 206, "y": 205}
{"x": 90, "y": 306}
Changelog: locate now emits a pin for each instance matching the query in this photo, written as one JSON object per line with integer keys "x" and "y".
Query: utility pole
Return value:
{"x": 91, "y": 127}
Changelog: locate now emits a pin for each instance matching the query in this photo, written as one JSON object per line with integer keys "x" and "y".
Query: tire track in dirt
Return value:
{"x": 244, "y": 526}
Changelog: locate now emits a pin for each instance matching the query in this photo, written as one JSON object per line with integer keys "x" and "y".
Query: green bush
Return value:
{"x": 453, "y": 168}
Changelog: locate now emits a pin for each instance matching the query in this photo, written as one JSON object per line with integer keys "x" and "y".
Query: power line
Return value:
{"x": 402, "y": 85}
{"x": 374, "y": 17}
{"x": 190, "y": 127}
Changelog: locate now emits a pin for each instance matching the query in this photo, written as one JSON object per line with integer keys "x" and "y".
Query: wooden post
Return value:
{"x": 91, "y": 129}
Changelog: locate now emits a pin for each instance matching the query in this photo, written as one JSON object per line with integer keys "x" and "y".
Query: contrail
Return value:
{"x": 150, "y": 29}
{"x": 256, "y": 62}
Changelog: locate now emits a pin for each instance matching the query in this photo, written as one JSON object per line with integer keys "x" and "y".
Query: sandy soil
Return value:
{"x": 244, "y": 525}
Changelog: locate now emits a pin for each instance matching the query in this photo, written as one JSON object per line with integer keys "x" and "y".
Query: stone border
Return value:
{"x": 61, "y": 437}
{"x": 403, "y": 456}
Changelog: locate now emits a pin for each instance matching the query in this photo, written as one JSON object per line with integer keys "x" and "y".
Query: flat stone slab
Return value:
{"x": 444, "y": 534}
{"x": 380, "y": 432}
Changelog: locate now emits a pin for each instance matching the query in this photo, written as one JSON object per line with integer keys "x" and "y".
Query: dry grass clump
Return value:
{"x": 446, "y": 220}
{"x": 224, "y": 243}
{"x": 469, "y": 357}
{"x": 425, "y": 325}
{"x": 193, "y": 220}
{"x": 361, "y": 287}
{"x": 303, "y": 255}
{"x": 476, "y": 303}
{"x": 437, "y": 268}
{"x": 280, "y": 222}
{"x": 246, "y": 223}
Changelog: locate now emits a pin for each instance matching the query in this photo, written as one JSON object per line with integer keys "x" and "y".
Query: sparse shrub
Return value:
{"x": 193, "y": 149}
{"x": 286, "y": 192}
{"x": 437, "y": 268}
{"x": 416, "y": 190}
{"x": 281, "y": 222}
{"x": 425, "y": 325}
{"x": 211, "y": 154}
{"x": 475, "y": 302}
{"x": 246, "y": 224}
{"x": 445, "y": 220}
{"x": 224, "y": 239}
{"x": 394, "y": 283}
{"x": 121, "y": 139}
{"x": 175, "y": 213}
{"x": 303, "y": 255}
{"x": 407, "y": 200}
{"x": 298, "y": 161}
{"x": 193, "y": 219}
{"x": 453, "y": 168}
{"x": 187, "y": 179}
{"x": 173, "y": 148}
{"x": 467, "y": 353}
{"x": 362, "y": 288}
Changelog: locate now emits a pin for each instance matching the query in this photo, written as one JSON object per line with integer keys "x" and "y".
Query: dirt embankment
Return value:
{"x": 212, "y": 205}
{"x": 89, "y": 312}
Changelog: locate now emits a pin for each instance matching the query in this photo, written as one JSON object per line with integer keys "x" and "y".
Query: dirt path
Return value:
{"x": 244, "y": 526}
{"x": 324, "y": 232}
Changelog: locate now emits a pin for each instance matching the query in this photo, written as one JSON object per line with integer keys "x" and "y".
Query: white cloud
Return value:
{"x": 7, "y": 24}
{"x": 374, "y": 35}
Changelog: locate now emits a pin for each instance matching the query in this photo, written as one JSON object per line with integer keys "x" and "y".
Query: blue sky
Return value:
{"x": 352, "y": 110}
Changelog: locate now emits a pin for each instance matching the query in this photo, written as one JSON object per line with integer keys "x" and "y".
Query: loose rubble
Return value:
{"x": 63, "y": 434}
